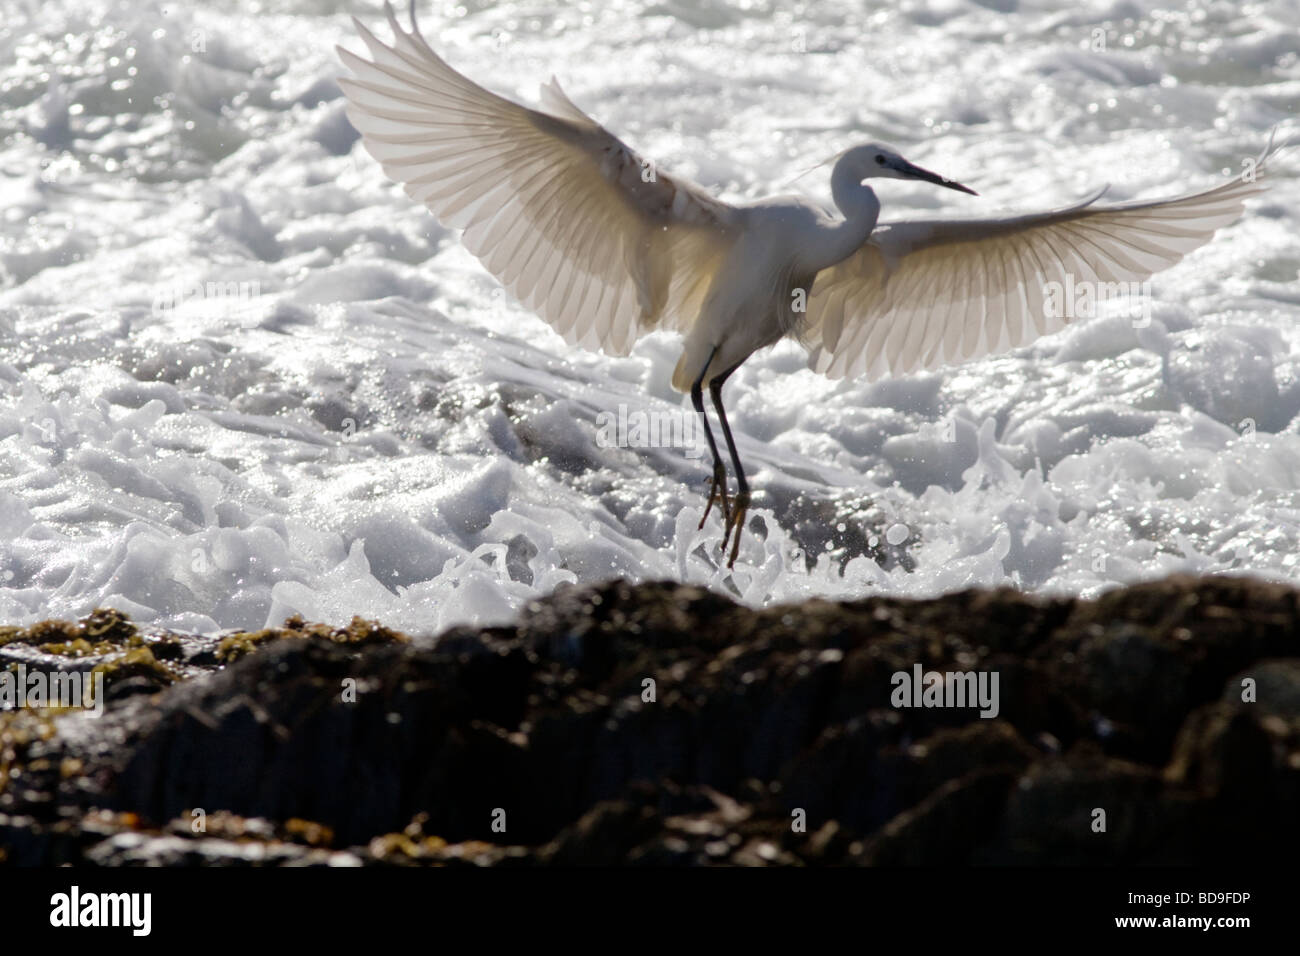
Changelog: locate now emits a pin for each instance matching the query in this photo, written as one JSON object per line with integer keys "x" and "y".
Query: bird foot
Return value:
{"x": 718, "y": 493}
{"x": 736, "y": 522}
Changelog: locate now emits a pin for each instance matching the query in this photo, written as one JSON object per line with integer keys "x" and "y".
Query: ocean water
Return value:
{"x": 243, "y": 376}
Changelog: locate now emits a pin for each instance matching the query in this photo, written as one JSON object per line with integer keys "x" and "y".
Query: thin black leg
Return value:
{"x": 740, "y": 505}
{"x": 718, "y": 483}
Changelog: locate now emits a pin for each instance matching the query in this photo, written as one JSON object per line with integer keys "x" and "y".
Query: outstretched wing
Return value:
{"x": 574, "y": 223}
{"x": 922, "y": 294}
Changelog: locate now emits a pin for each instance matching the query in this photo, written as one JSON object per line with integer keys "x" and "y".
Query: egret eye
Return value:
{"x": 880, "y": 160}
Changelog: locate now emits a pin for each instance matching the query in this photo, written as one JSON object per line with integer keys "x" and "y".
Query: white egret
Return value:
{"x": 606, "y": 248}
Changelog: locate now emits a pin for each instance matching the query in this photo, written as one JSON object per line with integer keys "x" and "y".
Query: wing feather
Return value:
{"x": 551, "y": 203}
{"x": 921, "y": 294}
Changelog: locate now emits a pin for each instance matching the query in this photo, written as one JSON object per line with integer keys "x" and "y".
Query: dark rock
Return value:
{"x": 663, "y": 724}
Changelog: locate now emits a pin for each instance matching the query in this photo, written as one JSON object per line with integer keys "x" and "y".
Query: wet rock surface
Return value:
{"x": 665, "y": 725}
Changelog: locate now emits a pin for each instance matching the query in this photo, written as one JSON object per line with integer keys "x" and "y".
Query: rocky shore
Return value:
{"x": 663, "y": 724}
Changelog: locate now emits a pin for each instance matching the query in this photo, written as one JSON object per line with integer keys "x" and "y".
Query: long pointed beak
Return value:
{"x": 929, "y": 177}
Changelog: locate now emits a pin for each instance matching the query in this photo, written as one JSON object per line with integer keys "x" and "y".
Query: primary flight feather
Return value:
{"x": 606, "y": 247}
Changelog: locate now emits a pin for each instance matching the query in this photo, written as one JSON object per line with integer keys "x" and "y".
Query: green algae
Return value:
{"x": 358, "y": 633}
{"x": 100, "y": 632}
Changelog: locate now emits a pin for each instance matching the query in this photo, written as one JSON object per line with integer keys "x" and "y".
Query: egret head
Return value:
{"x": 878, "y": 161}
